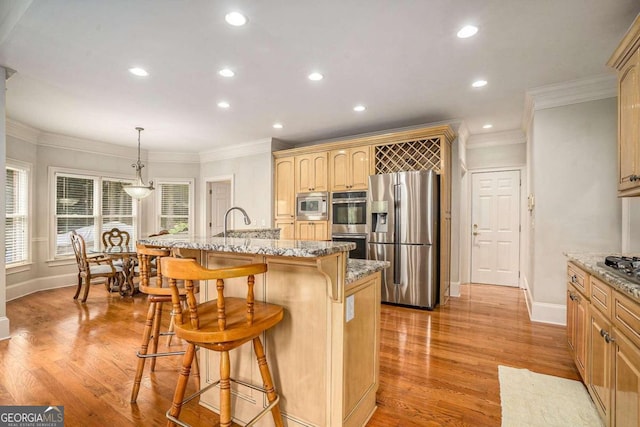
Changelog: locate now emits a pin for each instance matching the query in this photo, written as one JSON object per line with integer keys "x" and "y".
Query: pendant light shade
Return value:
{"x": 138, "y": 190}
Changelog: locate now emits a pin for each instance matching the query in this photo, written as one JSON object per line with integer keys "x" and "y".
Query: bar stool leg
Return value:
{"x": 146, "y": 336}
{"x": 225, "y": 389}
{"x": 156, "y": 333}
{"x": 266, "y": 379}
{"x": 181, "y": 387}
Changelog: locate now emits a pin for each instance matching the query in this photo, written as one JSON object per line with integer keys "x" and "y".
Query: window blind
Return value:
{"x": 75, "y": 210}
{"x": 174, "y": 206}
{"x": 117, "y": 209}
{"x": 16, "y": 216}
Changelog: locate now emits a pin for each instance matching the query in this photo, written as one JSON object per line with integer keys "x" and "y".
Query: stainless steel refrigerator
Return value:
{"x": 403, "y": 229}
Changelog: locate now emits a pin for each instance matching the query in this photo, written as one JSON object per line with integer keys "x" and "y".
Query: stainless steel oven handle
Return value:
{"x": 344, "y": 201}
{"x": 350, "y": 235}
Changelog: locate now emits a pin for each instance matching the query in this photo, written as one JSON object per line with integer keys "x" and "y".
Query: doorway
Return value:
{"x": 495, "y": 227}
{"x": 219, "y": 199}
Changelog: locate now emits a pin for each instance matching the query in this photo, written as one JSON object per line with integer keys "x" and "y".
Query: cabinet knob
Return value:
{"x": 574, "y": 278}
{"x": 633, "y": 178}
{"x": 609, "y": 339}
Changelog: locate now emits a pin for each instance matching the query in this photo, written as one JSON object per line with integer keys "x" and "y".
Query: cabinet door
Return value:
{"x": 629, "y": 125}
{"x": 284, "y": 191}
{"x": 321, "y": 230}
{"x": 319, "y": 177}
{"x": 304, "y": 173}
{"x": 287, "y": 229}
{"x": 572, "y": 306}
{"x": 339, "y": 165}
{"x": 360, "y": 168}
{"x": 304, "y": 230}
{"x": 582, "y": 331}
{"x": 626, "y": 398}
{"x": 600, "y": 358}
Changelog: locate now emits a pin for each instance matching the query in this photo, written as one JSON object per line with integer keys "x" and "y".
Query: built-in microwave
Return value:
{"x": 312, "y": 206}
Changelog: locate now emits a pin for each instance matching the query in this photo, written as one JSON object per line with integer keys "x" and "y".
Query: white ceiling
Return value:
{"x": 400, "y": 58}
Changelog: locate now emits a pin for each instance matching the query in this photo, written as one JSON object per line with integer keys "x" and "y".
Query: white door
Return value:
{"x": 219, "y": 202}
{"x": 495, "y": 227}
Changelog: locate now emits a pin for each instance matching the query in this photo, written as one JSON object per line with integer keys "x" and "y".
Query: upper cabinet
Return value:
{"x": 626, "y": 59}
{"x": 350, "y": 168}
{"x": 285, "y": 204}
{"x": 311, "y": 173}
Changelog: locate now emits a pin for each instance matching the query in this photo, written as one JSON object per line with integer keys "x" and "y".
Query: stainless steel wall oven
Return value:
{"x": 349, "y": 220}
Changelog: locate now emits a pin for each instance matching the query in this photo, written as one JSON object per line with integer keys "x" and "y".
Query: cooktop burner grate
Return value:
{"x": 626, "y": 267}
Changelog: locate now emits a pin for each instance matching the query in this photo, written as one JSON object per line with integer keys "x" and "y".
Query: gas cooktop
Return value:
{"x": 623, "y": 266}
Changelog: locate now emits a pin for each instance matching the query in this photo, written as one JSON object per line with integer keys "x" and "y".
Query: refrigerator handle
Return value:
{"x": 396, "y": 233}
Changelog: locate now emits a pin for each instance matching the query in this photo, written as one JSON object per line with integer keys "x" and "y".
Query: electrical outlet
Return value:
{"x": 351, "y": 308}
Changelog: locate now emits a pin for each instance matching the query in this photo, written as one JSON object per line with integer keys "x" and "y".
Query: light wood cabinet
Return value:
{"x": 287, "y": 228}
{"x": 612, "y": 343}
{"x": 626, "y": 60}
{"x": 577, "y": 307}
{"x": 311, "y": 173}
{"x": 350, "y": 168}
{"x": 312, "y": 230}
{"x": 600, "y": 362}
{"x": 285, "y": 203}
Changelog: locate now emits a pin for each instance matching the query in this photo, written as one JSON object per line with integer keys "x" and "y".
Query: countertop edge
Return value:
{"x": 588, "y": 261}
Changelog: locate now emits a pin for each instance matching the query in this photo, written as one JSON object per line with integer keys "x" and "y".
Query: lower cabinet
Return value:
{"x": 287, "y": 229}
{"x": 611, "y": 364}
{"x": 600, "y": 358}
{"x": 312, "y": 230}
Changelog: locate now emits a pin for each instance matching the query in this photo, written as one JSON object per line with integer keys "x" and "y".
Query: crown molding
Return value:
{"x": 572, "y": 92}
{"x": 22, "y": 132}
{"x": 169, "y": 157}
{"x": 495, "y": 139}
{"x": 238, "y": 150}
{"x": 101, "y": 148}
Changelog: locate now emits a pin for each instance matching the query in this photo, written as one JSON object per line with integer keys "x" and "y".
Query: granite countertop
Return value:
{"x": 289, "y": 248}
{"x": 359, "y": 268}
{"x": 589, "y": 262}
{"x": 253, "y": 233}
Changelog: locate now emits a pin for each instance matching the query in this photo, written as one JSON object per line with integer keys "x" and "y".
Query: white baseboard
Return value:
{"x": 555, "y": 314}
{"x": 40, "y": 284}
{"x": 454, "y": 290}
{"x": 4, "y": 328}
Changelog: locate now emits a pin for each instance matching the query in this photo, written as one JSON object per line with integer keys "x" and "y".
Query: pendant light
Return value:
{"x": 138, "y": 190}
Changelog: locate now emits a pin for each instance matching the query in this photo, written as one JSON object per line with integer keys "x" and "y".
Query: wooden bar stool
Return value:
{"x": 157, "y": 295}
{"x": 221, "y": 325}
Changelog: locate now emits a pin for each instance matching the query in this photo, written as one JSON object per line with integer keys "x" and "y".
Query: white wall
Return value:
{"x": 574, "y": 179}
{"x": 252, "y": 178}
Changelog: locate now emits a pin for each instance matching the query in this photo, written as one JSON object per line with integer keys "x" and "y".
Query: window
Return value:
{"x": 175, "y": 206}
{"x": 17, "y": 214}
{"x": 90, "y": 205}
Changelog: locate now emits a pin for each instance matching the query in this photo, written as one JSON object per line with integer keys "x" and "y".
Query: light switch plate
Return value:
{"x": 351, "y": 307}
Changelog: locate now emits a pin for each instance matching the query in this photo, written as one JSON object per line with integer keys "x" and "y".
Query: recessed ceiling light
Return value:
{"x": 226, "y": 72}
{"x": 467, "y": 31}
{"x": 223, "y": 104}
{"x": 277, "y": 126}
{"x": 235, "y": 18}
{"x": 479, "y": 83}
{"x": 359, "y": 108}
{"x": 315, "y": 76}
{"x": 487, "y": 126}
{"x": 140, "y": 72}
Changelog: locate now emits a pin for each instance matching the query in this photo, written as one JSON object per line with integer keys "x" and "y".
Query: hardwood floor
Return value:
{"x": 438, "y": 368}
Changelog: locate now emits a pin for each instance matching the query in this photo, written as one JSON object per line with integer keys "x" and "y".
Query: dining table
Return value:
{"x": 129, "y": 257}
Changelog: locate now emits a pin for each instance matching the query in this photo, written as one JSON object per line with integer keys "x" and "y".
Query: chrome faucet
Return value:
{"x": 247, "y": 221}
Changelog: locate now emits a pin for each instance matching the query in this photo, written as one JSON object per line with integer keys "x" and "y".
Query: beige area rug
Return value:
{"x": 530, "y": 399}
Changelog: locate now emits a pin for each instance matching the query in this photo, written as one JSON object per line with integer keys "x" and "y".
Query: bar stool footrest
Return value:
{"x": 246, "y": 384}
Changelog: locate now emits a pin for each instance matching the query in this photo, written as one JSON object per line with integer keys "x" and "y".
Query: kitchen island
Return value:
{"x": 324, "y": 355}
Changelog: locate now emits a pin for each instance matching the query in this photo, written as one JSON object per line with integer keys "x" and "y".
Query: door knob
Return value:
{"x": 475, "y": 229}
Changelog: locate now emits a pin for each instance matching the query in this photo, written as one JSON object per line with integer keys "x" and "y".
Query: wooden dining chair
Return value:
{"x": 119, "y": 238}
{"x": 157, "y": 295}
{"x": 89, "y": 268}
{"x": 221, "y": 325}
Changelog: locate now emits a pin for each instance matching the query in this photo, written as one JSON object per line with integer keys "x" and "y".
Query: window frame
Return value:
{"x": 27, "y": 168}
{"x": 98, "y": 178}
{"x": 190, "y": 182}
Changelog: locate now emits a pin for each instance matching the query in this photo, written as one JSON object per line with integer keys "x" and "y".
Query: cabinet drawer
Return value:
{"x": 601, "y": 296}
{"x": 626, "y": 316}
{"x": 578, "y": 278}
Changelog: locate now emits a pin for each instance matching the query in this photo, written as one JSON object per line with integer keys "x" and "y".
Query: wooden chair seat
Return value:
{"x": 221, "y": 325}
{"x": 236, "y": 332}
